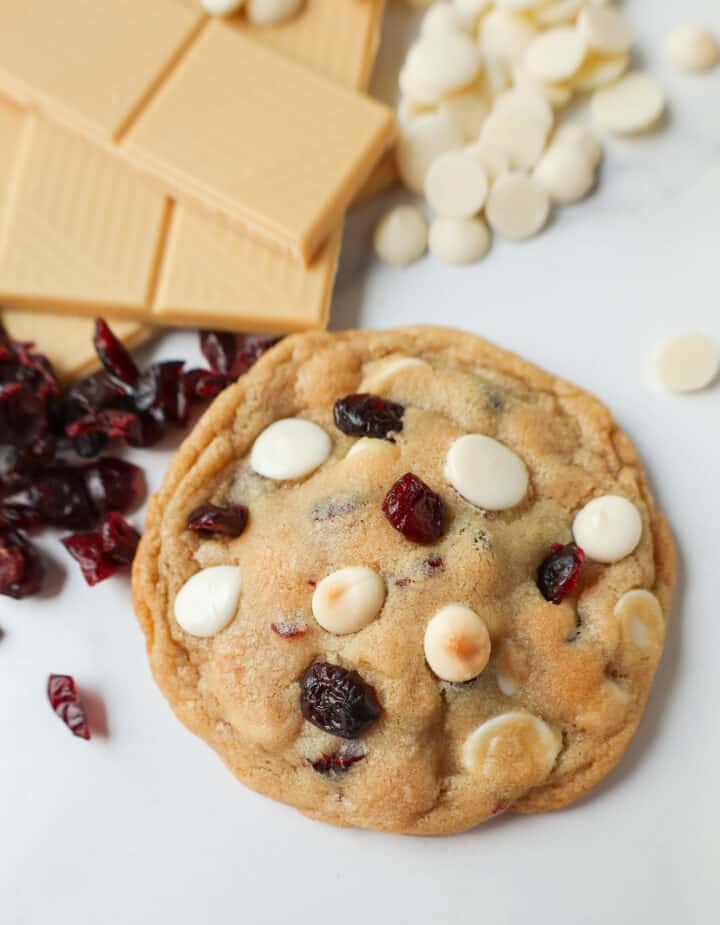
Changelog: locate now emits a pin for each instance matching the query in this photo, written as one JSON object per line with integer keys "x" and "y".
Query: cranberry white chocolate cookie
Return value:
{"x": 406, "y": 581}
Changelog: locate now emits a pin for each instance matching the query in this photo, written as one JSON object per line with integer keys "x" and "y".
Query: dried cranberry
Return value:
{"x": 113, "y": 355}
{"x": 91, "y": 395}
{"x": 161, "y": 390}
{"x": 337, "y": 763}
{"x": 119, "y": 539}
{"x": 115, "y": 485}
{"x": 201, "y": 384}
{"x": 210, "y": 518}
{"x": 87, "y": 550}
{"x": 21, "y": 568}
{"x": 220, "y": 349}
{"x": 367, "y": 415}
{"x": 57, "y": 498}
{"x": 414, "y": 509}
{"x": 150, "y": 430}
{"x": 19, "y": 464}
{"x": 112, "y": 423}
{"x": 64, "y": 699}
{"x": 287, "y": 629}
{"x": 253, "y": 347}
{"x": 338, "y": 701}
{"x": 90, "y": 445}
{"x": 559, "y": 572}
{"x": 22, "y": 415}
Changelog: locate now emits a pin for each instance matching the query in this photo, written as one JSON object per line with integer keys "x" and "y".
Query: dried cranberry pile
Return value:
{"x": 51, "y": 470}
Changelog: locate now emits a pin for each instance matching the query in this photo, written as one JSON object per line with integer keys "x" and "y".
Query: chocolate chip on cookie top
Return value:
{"x": 401, "y": 580}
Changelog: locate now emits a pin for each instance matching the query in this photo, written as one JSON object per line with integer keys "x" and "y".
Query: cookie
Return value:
{"x": 431, "y": 583}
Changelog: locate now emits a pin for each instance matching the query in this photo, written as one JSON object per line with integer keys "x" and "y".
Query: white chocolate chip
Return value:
{"x": 289, "y": 449}
{"x": 400, "y": 237}
{"x": 457, "y": 644}
{"x": 222, "y": 7}
{"x": 692, "y": 49}
{"x": 348, "y": 600}
{"x": 456, "y": 185}
{"x": 512, "y": 751}
{"x": 527, "y": 100}
{"x": 470, "y": 11}
{"x": 504, "y": 38}
{"x": 382, "y": 373}
{"x": 208, "y": 601}
{"x": 608, "y": 528}
{"x": 494, "y": 159}
{"x": 440, "y": 18}
{"x": 687, "y": 362}
{"x": 373, "y": 446}
{"x": 459, "y": 240}
{"x": 439, "y": 64}
{"x": 565, "y": 173}
{"x": 270, "y": 12}
{"x": 421, "y": 141}
{"x": 641, "y": 620}
{"x": 605, "y": 29}
{"x": 486, "y": 473}
{"x": 519, "y": 134}
{"x": 580, "y": 137}
{"x": 597, "y": 72}
{"x": 556, "y": 54}
{"x": 558, "y": 11}
{"x": 518, "y": 6}
{"x": 633, "y": 104}
{"x": 468, "y": 110}
{"x": 517, "y": 207}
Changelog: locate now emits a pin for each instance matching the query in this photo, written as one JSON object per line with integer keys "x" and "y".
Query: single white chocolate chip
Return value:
{"x": 608, "y": 528}
{"x": 486, "y": 473}
{"x": 513, "y": 751}
{"x": 597, "y": 72}
{"x": 400, "y": 237}
{"x": 373, "y": 446}
{"x": 348, "y": 600}
{"x": 459, "y": 240}
{"x": 504, "y": 37}
{"x": 380, "y": 377}
{"x": 687, "y": 362}
{"x": 565, "y": 173}
{"x": 527, "y": 100}
{"x": 605, "y": 29}
{"x": 470, "y": 11}
{"x": 690, "y": 48}
{"x": 421, "y": 141}
{"x": 558, "y": 11}
{"x": 494, "y": 159}
{"x": 641, "y": 620}
{"x": 270, "y": 12}
{"x": 468, "y": 110}
{"x": 208, "y": 601}
{"x": 440, "y": 18}
{"x": 580, "y": 137}
{"x": 517, "y": 207}
{"x": 289, "y": 449}
{"x": 222, "y": 7}
{"x": 457, "y": 644}
{"x": 556, "y": 54}
{"x": 456, "y": 185}
{"x": 519, "y": 134}
{"x": 438, "y": 65}
{"x": 633, "y": 104}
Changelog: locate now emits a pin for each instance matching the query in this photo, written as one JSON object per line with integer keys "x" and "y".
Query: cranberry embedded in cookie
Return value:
{"x": 415, "y": 510}
{"x": 366, "y": 415}
{"x": 338, "y": 701}
{"x": 559, "y": 572}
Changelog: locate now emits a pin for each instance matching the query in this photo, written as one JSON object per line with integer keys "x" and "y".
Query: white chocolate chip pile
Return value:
{"x": 259, "y": 12}
{"x": 480, "y": 95}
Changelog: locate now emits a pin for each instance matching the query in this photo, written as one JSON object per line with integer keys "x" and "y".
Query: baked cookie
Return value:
{"x": 413, "y": 611}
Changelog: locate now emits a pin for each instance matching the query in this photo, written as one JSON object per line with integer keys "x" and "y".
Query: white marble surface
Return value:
{"x": 145, "y": 825}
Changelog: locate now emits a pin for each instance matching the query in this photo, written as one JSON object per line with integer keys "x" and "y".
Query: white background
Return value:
{"x": 144, "y": 824}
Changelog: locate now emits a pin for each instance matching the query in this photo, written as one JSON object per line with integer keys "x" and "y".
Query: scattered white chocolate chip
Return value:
{"x": 373, "y": 446}
{"x": 459, "y": 240}
{"x": 270, "y": 12}
{"x": 514, "y": 750}
{"x": 518, "y": 206}
{"x": 633, "y": 104}
{"x": 582, "y": 138}
{"x": 605, "y": 29}
{"x": 456, "y": 185}
{"x": 565, "y": 174}
{"x": 222, "y": 7}
{"x": 486, "y": 473}
{"x": 608, "y": 528}
{"x": 439, "y": 64}
{"x": 289, "y": 449}
{"x": 641, "y": 619}
{"x": 596, "y": 72}
{"x": 457, "y": 644}
{"x": 421, "y": 141}
{"x": 690, "y": 48}
{"x": 687, "y": 362}
{"x": 556, "y": 54}
{"x": 208, "y": 601}
{"x": 348, "y": 600}
{"x": 400, "y": 237}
